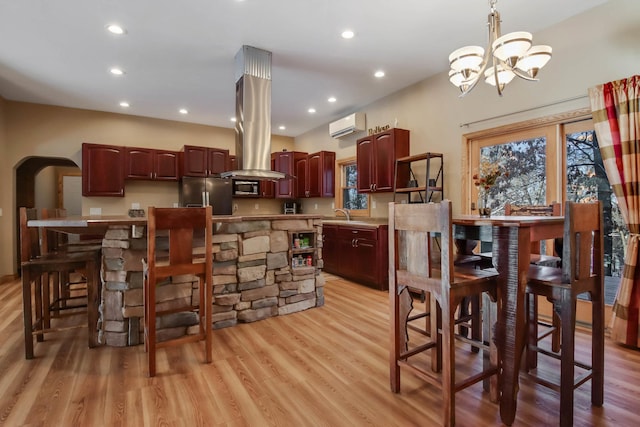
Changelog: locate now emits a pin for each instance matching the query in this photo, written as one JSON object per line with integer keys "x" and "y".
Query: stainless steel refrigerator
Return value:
{"x": 216, "y": 192}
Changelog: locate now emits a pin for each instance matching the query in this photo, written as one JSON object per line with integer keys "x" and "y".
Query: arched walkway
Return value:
{"x": 26, "y": 172}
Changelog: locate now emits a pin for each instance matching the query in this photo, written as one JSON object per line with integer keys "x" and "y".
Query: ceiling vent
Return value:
{"x": 347, "y": 125}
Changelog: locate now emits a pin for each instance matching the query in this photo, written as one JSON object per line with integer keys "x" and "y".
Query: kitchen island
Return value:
{"x": 264, "y": 266}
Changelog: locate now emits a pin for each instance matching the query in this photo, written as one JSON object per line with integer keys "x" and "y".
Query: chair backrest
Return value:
{"x": 412, "y": 229}
{"x": 29, "y": 236}
{"x": 552, "y": 209}
{"x": 582, "y": 251}
{"x": 184, "y": 228}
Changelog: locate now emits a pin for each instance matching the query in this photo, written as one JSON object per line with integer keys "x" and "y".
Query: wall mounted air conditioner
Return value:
{"x": 350, "y": 124}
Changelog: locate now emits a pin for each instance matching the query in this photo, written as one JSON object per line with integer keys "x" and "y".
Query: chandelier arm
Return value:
{"x": 522, "y": 75}
{"x": 494, "y": 34}
{"x": 493, "y": 21}
{"x": 475, "y": 81}
{"x": 495, "y": 77}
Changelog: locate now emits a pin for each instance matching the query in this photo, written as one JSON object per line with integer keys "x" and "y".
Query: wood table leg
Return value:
{"x": 510, "y": 244}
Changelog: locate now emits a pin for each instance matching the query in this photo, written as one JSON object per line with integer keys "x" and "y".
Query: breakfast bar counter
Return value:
{"x": 264, "y": 266}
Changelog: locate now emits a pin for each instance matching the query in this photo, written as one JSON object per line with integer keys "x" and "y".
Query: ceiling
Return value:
{"x": 180, "y": 54}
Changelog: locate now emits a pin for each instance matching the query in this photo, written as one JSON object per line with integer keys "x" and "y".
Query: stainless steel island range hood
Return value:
{"x": 253, "y": 116}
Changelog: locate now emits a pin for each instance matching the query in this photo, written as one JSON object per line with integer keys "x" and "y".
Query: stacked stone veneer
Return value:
{"x": 252, "y": 280}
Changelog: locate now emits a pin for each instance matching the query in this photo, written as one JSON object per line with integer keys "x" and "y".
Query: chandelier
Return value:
{"x": 505, "y": 57}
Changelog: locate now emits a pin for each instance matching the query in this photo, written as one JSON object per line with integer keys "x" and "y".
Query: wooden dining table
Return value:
{"x": 511, "y": 238}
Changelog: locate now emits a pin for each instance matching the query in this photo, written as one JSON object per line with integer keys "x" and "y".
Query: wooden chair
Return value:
{"x": 581, "y": 272}
{"x": 37, "y": 268}
{"x": 68, "y": 286}
{"x": 412, "y": 228}
{"x": 182, "y": 225}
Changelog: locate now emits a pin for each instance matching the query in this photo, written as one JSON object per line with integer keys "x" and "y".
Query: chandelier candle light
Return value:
{"x": 505, "y": 57}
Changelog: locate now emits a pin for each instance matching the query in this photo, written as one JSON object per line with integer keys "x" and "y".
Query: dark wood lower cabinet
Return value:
{"x": 357, "y": 253}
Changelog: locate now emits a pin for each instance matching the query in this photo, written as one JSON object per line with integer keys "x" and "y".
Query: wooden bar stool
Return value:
{"x": 412, "y": 228}
{"x": 37, "y": 268}
{"x": 68, "y": 289}
{"x": 183, "y": 226}
{"x": 581, "y": 272}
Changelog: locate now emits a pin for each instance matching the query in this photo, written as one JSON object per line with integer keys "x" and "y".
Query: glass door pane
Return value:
{"x": 587, "y": 181}
{"x": 525, "y": 162}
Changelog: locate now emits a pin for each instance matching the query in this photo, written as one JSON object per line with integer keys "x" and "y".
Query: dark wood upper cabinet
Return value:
{"x": 204, "y": 161}
{"x": 376, "y": 156}
{"x": 102, "y": 170}
{"x": 218, "y": 160}
{"x": 151, "y": 164}
{"x": 233, "y": 163}
{"x": 285, "y": 162}
{"x": 320, "y": 174}
{"x": 301, "y": 177}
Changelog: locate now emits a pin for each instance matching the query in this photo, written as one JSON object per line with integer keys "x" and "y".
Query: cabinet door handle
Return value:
{"x": 355, "y": 243}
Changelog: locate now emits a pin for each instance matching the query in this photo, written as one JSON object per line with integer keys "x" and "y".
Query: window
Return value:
{"x": 348, "y": 197}
{"x": 528, "y": 158}
{"x": 551, "y": 162}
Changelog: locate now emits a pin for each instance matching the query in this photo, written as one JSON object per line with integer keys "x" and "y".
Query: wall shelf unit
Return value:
{"x": 430, "y": 187}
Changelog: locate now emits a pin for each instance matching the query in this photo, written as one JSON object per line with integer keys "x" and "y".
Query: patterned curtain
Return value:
{"x": 616, "y": 117}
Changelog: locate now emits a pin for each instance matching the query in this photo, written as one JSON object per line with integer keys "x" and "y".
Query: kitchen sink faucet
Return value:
{"x": 345, "y": 212}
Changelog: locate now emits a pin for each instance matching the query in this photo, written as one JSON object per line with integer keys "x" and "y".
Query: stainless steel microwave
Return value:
{"x": 246, "y": 188}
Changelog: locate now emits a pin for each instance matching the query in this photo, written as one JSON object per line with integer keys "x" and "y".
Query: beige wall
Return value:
{"x": 598, "y": 46}
{"x": 39, "y": 130}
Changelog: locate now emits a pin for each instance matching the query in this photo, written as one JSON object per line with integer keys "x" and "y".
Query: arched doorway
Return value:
{"x": 26, "y": 172}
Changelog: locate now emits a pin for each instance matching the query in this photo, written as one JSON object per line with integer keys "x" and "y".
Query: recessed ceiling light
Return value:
{"x": 379, "y": 74}
{"x": 282, "y": 127}
{"x": 116, "y": 29}
{"x": 233, "y": 119}
{"x": 183, "y": 111}
{"x": 116, "y": 71}
{"x": 332, "y": 99}
{"x": 311, "y": 110}
{"x": 124, "y": 104}
{"x": 347, "y": 34}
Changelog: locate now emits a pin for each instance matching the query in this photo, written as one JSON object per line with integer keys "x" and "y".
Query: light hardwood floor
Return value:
{"x": 322, "y": 367}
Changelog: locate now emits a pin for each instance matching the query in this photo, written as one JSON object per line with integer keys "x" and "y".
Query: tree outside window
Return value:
{"x": 347, "y": 196}
{"x": 351, "y": 199}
